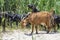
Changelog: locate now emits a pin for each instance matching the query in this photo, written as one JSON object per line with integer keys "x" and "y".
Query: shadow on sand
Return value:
{"x": 40, "y": 33}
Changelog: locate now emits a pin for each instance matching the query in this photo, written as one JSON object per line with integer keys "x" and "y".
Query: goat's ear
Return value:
{"x": 52, "y": 11}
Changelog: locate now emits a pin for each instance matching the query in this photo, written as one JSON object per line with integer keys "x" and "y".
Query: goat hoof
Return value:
{"x": 55, "y": 31}
{"x": 36, "y": 32}
{"x": 47, "y": 32}
{"x": 31, "y": 33}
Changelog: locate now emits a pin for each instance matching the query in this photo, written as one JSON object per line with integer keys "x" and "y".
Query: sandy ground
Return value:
{"x": 25, "y": 35}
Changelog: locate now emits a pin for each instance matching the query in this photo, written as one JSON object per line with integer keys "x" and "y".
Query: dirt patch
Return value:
{"x": 24, "y": 35}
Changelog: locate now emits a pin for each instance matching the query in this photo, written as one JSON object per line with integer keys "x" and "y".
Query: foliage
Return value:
{"x": 20, "y": 6}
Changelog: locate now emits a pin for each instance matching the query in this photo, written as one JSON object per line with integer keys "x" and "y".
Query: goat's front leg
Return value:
{"x": 36, "y": 29}
{"x": 32, "y": 29}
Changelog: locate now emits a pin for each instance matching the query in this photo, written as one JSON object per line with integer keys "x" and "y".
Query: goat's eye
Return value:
{"x": 23, "y": 22}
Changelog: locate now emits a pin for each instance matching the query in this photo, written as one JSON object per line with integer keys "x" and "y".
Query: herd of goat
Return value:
{"x": 33, "y": 18}
{"x": 11, "y": 17}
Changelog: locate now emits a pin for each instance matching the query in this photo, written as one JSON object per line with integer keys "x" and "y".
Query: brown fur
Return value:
{"x": 37, "y": 18}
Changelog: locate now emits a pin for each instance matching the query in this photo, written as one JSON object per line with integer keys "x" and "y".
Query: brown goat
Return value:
{"x": 37, "y": 18}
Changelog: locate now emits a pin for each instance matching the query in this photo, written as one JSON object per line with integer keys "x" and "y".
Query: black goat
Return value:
{"x": 33, "y": 7}
{"x": 14, "y": 18}
{"x": 57, "y": 20}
